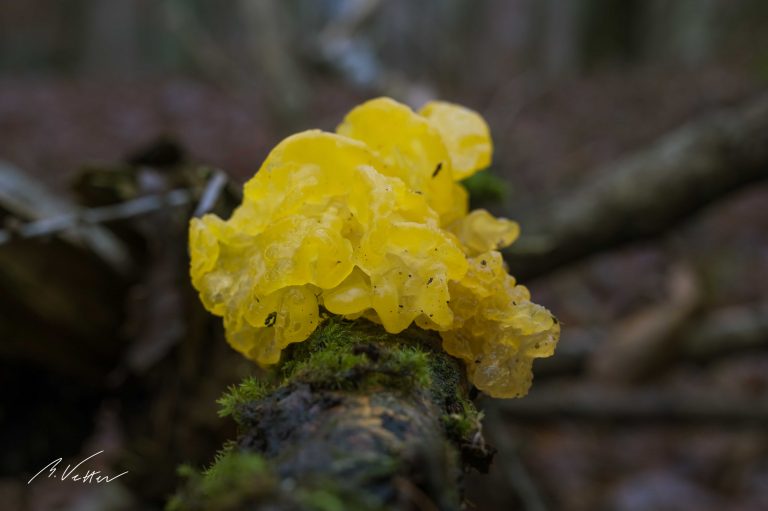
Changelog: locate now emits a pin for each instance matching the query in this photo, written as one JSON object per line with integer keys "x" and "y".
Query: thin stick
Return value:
{"x": 94, "y": 216}
{"x": 211, "y": 193}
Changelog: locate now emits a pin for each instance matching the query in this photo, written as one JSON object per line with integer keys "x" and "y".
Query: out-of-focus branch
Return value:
{"x": 95, "y": 216}
{"x": 68, "y": 221}
{"x": 198, "y": 44}
{"x": 730, "y": 330}
{"x": 648, "y": 192}
{"x": 23, "y": 199}
{"x": 595, "y": 403}
{"x": 736, "y": 328}
{"x": 342, "y": 48}
{"x": 271, "y": 51}
{"x": 211, "y": 193}
{"x": 267, "y": 54}
{"x": 646, "y": 341}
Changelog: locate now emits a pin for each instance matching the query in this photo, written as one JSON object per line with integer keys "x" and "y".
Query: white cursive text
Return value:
{"x": 89, "y": 477}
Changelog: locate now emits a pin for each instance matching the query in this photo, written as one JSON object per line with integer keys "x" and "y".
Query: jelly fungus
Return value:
{"x": 371, "y": 221}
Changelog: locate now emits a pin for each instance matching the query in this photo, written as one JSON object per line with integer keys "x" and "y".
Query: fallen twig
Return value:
{"x": 211, "y": 193}
{"x": 95, "y": 216}
{"x": 732, "y": 329}
{"x": 592, "y": 403}
{"x": 648, "y": 192}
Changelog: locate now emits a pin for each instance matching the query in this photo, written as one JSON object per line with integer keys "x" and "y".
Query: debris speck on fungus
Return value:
{"x": 346, "y": 221}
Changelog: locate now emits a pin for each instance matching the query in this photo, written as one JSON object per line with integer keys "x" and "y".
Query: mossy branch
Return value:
{"x": 353, "y": 418}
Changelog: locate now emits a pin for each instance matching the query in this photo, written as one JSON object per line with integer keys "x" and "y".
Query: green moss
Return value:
{"x": 485, "y": 188}
{"x": 345, "y": 355}
{"x": 333, "y": 335}
{"x": 226, "y": 450}
{"x": 322, "y": 500}
{"x": 328, "y": 369}
{"x": 446, "y": 372}
{"x": 233, "y": 472}
{"x": 241, "y": 480}
{"x": 325, "y": 495}
{"x": 356, "y": 356}
{"x": 415, "y": 363}
{"x": 330, "y": 494}
{"x": 250, "y": 389}
{"x": 462, "y": 425}
{"x": 232, "y": 480}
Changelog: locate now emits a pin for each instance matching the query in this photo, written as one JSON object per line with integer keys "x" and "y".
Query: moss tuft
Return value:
{"x": 356, "y": 356}
{"x": 322, "y": 500}
{"x": 250, "y": 389}
{"x": 234, "y": 479}
{"x": 233, "y": 472}
{"x": 240, "y": 480}
{"x": 226, "y": 450}
{"x": 464, "y": 424}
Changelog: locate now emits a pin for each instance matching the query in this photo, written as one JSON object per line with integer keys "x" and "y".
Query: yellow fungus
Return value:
{"x": 370, "y": 222}
{"x": 479, "y": 231}
{"x": 465, "y": 134}
{"x": 409, "y": 147}
{"x": 497, "y": 330}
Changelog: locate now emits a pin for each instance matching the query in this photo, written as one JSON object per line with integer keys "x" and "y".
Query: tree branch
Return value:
{"x": 734, "y": 329}
{"x": 353, "y": 415}
{"x": 647, "y": 193}
{"x": 594, "y": 403}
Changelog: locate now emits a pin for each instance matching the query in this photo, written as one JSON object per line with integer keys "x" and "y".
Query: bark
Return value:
{"x": 647, "y": 193}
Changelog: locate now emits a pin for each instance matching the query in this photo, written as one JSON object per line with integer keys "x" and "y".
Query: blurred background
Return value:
{"x": 658, "y": 395}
